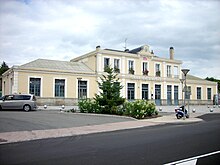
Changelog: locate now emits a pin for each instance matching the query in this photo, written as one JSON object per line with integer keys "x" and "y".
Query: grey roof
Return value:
{"x": 191, "y": 77}
{"x": 65, "y": 66}
{"x": 114, "y": 50}
{"x": 136, "y": 50}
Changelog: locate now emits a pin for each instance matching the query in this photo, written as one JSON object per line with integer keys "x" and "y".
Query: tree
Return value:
{"x": 4, "y": 67}
{"x": 109, "y": 97}
{"x": 214, "y": 80}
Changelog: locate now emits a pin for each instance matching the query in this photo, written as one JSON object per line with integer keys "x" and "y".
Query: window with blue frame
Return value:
{"x": 131, "y": 91}
{"x": 145, "y": 91}
{"x": 35, "y": 86}
{"x": 169, "y": 94}
{"x": 176, "y": 93}
{"x": 158, "y": 94}
{"x": 199, "y": 91}
{"x": 209, "y": 93}
{"x": 59, "y": 87}
{"x": 82, "y": 89}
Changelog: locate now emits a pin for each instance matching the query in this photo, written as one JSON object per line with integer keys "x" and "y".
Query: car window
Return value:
{"x": 18, "y": 97}
{"x": 22, "y": 97}
{"x": 9, "y": 97}
{"x": 26, "y": 97}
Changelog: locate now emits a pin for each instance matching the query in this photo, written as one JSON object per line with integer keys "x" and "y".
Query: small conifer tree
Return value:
{"x": 109, "y": 97}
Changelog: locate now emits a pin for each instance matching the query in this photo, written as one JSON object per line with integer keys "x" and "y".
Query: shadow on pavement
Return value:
{"x": 210, "y": 117}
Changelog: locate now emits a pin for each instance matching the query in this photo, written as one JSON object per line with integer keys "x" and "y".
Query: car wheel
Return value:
{"x": 26, "y": 108}
{"x": 0, "y": 107}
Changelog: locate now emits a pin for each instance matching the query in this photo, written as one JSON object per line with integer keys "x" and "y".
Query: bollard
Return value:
{"x": 45, "y": 106}
{"x": 194, "y": 110}
{"x": 211, "y": 110}
{"x": 160, "y": 109}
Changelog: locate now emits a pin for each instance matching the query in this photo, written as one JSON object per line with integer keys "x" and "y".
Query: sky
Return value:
{"x": 65, "y": 29}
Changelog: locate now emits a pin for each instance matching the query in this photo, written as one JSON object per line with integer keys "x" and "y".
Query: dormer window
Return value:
{"x": 146, "y": 48}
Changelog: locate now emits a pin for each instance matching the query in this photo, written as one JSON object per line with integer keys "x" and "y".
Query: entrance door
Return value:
{"x": 169, "y": 94}
{"x": 176, "y": 98}
{"x": 144, "y": 91}
{"x": 158, "y": 94}
{"x": 131, "y": 91}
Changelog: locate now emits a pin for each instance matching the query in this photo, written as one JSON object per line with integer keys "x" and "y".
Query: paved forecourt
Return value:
{"x": 125, "y": 123}
{"x": 17, "y": 136}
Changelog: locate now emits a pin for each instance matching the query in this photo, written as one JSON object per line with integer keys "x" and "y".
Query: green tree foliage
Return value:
{"x": 214, "y": 80}
{"x": 4, "y": 67}
{"x": 109, "y": 97}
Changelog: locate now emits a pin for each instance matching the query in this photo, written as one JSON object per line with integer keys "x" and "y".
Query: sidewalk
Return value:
{"x": 11, "y": 137}
{"x": 202, "y": 109}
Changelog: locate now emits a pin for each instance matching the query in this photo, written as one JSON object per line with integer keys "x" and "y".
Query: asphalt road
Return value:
{"x": 149, "y": 145}
{"x": 40, "y": 120}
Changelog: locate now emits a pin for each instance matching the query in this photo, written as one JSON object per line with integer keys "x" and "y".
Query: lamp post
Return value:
{"x": 185, "y": 71}
{"x": 182, "y": 80}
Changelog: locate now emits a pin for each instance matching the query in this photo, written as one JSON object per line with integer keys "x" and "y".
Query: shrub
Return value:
{"x": 89, "y": 106}
{"x": 139, "y": 109}
{"x": 151, "y": 109}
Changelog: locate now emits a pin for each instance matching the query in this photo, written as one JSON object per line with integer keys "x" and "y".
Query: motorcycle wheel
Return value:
{"x": 178, "y": 116}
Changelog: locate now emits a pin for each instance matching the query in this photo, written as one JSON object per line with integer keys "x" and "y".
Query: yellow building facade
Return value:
{"x": 143, "y": 75}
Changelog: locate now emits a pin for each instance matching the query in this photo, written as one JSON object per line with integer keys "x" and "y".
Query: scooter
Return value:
{"x": 180, "y": 112}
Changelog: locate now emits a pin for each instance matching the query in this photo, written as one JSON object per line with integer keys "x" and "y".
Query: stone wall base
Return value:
{"x": 57, "y": 101}
{"x": 73, "y": 102}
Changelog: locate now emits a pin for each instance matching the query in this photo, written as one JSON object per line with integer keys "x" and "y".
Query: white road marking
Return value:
{"x": 191, "y": 161}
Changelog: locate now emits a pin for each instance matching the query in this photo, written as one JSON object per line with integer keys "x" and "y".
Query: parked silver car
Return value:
{"x": 26, "y": 102}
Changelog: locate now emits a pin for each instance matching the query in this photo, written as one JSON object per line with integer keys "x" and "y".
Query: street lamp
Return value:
{"x": 182, "y": 80}
{"x": 185, "y": 71}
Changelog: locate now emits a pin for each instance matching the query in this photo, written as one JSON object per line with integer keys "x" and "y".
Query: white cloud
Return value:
{"x": 62, "y": 30}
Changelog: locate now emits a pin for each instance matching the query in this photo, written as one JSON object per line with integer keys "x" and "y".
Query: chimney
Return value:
{"x": 152, "y": 52}
{"x": 98, "y": 48}
{"x": 171, "y": 53}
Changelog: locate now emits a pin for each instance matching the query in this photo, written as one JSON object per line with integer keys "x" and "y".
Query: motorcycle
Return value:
{"x": 180, "y": 112}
